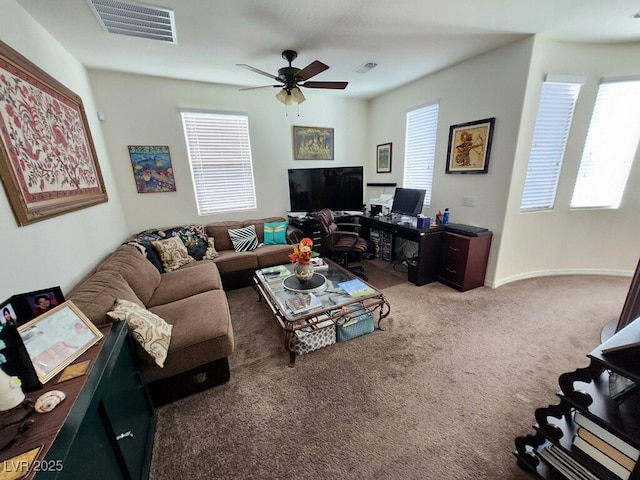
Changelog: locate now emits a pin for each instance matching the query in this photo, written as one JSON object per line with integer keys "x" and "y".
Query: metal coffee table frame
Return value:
{"x": 334, "y": 302}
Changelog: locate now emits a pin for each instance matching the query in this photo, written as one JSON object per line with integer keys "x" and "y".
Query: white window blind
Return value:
{"x": 420, "y": 150}
{"x": 611, "y": 145}
{"x": 220, "y": 158}
{"x": 553, "y": 123}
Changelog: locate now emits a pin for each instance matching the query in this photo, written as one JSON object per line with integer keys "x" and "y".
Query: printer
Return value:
{"x": 376, "y": 204}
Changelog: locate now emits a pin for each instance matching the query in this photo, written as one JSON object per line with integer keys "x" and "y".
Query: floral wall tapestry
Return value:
{"x": 48, "y": 162}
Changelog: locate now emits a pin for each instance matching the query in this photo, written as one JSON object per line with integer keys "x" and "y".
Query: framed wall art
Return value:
{"x": 152, "y": 169}
{"x": 470, "y": 146}
{"x": 312, "y": 143}
{"x": 383, "y": 158}
{"x": 56, "y": 338}
{"x": 48, "y": 162}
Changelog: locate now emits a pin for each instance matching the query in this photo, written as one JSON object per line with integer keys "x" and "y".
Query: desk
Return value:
{"x": 428, "y": 239}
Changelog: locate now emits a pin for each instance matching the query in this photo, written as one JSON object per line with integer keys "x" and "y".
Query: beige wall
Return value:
{"x": 145, "y": 111}
{"x": 61, "y": 250}
{"x": 563, "y": 240}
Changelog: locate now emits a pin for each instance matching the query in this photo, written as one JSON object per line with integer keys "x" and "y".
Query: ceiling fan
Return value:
{"x": 292, "y": 78}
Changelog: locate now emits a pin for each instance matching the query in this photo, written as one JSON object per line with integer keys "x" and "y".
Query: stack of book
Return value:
{"x": 604, "y": 447}
{"x": 562, "y": 462}
{"x": 319, "y": 264}
{"x": 303, "y": 302}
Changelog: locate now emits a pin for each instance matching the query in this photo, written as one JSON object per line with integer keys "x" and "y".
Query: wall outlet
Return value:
{"x": 468, "y": 201}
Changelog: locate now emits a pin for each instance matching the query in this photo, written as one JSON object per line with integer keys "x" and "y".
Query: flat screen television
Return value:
{"x": 408, "y": 201}
{"x": 337, "y": 188}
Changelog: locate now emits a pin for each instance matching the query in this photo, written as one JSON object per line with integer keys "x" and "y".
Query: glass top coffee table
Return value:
{"x": 284, "y": 294}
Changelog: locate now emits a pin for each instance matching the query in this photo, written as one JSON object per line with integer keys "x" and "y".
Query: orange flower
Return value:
{"x": 302, "y": 252}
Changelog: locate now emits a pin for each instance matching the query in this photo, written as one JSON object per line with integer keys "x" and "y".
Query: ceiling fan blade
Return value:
{"x": 253, "y": 69}
{"x": 311, "y": 70}
{"x": 263, "y": 86}
{"x": 333, "y": 85}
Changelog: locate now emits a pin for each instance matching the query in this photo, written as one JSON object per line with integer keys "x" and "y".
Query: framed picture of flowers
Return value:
{"x": 48, "y": 162}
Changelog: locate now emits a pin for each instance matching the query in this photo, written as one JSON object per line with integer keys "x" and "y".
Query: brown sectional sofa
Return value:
{"x": 190, "y": 298}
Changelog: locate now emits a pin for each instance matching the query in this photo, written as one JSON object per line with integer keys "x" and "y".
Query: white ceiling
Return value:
{"x": 408, "y": 39}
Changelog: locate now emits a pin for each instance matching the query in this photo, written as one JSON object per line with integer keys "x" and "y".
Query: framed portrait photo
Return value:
{"x": 30, "y": 305}
{"x": 470, "y": 146}
{"x": 56, "y": 338}
{"x": 383, "y": 158}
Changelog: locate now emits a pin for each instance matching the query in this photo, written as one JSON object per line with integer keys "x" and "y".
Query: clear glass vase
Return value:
{"x": 303, "y": 272}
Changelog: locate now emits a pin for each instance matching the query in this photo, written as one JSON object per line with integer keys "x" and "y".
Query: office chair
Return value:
{"x": 342, "y": 239}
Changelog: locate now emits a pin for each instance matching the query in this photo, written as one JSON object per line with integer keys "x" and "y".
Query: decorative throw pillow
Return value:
{"x": 211, "y": 252}
{"x": 194, "y": 238}
{"x": 173, "y": 253}
{"x": 244, "y": 239}
{"x": 148, "y": 329}
{"x": 275, "y": 233}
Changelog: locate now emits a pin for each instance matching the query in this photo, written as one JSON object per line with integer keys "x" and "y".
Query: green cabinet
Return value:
{"x": 109, "y": 431}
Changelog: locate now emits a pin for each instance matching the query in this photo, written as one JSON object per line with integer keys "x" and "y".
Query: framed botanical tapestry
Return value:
{"x": 312, "y": 143}
{"x": 48, "y": 162}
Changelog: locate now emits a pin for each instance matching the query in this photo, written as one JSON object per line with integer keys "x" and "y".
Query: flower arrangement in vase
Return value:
{"x": 301, "y": 256}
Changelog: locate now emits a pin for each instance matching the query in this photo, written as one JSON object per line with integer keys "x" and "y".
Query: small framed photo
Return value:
{"x": 470, "y": 146}
{"x": 9, "y": 314}
{"x": 56, "y": 338}
{"x": 383, "y": 158}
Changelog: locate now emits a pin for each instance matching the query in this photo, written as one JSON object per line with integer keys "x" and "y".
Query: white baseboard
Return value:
{"x": 549, "y": 273}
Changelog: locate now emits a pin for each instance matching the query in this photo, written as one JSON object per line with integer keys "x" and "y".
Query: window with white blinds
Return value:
{"x": 612, "y": 143}
{"x": 220, "y": 158}
{"x": 420, "y": 149}
{"x": 553, "y": 123}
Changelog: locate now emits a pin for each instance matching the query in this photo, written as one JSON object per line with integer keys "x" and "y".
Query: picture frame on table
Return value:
{"x": 51, "y": 170}
{"x": 30, "y": 305}
{"x": 313, "y": 143}
{"x": 470, "y": 146}
{"x": 383, "y": 158}
{"x": 58, "y": 337}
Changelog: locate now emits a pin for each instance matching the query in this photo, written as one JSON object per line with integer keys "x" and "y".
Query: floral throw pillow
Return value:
{"x": 148, "y": 329}
{"x": 244, "y": 239}
{"x": 211, "y": 252}
{"x": 173, "y": 253}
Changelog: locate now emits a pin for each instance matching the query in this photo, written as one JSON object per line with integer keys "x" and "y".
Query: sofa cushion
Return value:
{"x": 275, "y": 233}
{"x": 244, "y": 239}
{"x": 232, "y": 261}
{"x": 97, "y": 294}
{"x": 194, "y": 278}
{"x": 269, "y": 255}
{"x": 202, "y": 333}
{"x": 149, "y": 330}
{"x": 137, "y": 271}
{"x": 173, "y": 253}
{"x": 220, "y": 232}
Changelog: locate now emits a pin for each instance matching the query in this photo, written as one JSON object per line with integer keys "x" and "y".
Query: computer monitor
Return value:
{"x": 408, "y": 201}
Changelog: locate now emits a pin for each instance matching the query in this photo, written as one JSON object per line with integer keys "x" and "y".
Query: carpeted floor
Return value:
{"x": 441, "y": 393}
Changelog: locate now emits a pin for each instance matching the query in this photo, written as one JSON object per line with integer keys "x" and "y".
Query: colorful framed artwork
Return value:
{"x": 312, "y": 143}
{"x": 383, "y": 158}
{"x": 48, "y": 162}
{"x": 152, "y": 169}
{"x": 470, "y": 146}
{"x": 56, "y": 338}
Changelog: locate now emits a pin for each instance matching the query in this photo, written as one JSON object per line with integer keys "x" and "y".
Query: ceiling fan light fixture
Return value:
{"x": 284, "y": 97}
{"x": 290, "y": 97}
{"x": 297, "y": 95}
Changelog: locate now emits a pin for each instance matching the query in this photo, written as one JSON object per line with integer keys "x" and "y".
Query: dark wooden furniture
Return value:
{"x": 631, "y": 308}
{"x": 586, "y": 390}
{"x": 463, "y": 260}
{"x": 104, "y": 428}
{"x": 311, "y": 228}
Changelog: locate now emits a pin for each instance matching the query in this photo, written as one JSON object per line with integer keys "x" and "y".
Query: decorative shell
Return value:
{"x": 48, "y": 401}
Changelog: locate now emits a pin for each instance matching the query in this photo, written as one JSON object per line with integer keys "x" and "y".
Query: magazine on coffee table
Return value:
{"x": 303, "y": 302}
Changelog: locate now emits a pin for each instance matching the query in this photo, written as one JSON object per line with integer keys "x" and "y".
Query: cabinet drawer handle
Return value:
{"x": 125, "y": 435}
{"x": 454, "y": 248}
{"x": 450, "y": 271}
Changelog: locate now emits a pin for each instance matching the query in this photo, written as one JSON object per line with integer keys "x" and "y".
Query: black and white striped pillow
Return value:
{"x": 244, "y": 239}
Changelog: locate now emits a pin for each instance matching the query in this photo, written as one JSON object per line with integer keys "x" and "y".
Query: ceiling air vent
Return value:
{"x": 135, "y": 19}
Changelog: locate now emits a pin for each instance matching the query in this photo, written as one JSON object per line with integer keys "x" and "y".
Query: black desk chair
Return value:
{"x": 342, "y": 240}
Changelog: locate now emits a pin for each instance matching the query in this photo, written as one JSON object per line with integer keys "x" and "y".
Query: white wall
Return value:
{"x": 143, "y": 110}
{"x": 492, "y": 85}
{"x": 562, "y": 240}
{"x": 61, "y": 250}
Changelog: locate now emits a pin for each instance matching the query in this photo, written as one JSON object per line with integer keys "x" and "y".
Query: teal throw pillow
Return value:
{"x": 275, "y": 233}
